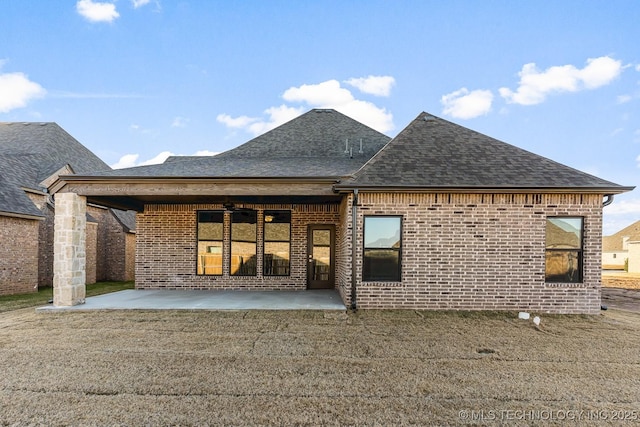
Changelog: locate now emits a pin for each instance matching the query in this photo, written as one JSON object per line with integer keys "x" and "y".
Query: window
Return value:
{"x": 564, "y": 250}
{"x": 243, "y": 243}
{"x": 277, "y": 243}
{"x": 210, "y": 238}
{"x": 382, "y": 248}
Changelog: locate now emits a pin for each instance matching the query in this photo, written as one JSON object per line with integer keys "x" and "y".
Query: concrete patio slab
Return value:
{"x": 209, "y": 300}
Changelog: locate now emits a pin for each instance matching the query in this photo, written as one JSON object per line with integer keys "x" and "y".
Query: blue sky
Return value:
{"x": 134, "y": 80}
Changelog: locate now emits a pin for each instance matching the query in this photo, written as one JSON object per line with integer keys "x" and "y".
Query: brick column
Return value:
{"x": 69, "y": 259}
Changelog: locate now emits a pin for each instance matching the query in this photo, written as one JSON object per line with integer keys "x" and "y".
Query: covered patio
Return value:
{"x": 161, "y": 299}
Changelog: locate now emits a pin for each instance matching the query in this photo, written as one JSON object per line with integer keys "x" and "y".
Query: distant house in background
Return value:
{"x": 623, "y": 245}
{"x": 32, "y": 156}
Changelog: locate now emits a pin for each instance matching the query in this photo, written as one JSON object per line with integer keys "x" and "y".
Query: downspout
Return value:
{"x": 608, "y": 201}
{"x": 354, "y": 216}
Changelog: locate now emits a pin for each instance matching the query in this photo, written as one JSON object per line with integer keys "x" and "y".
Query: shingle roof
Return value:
{"x": 126, "y": 218}
{"x": 32, "y": 152}
{"x": 614, "y": 242}
{"x": 319, "y": 143}
{"x": 434, "y": 153}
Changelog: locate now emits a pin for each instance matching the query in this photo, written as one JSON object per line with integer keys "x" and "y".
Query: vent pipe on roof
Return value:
{"x": 608, "y": 201}
{"x": 346, "y": 146}
{"x": 360, "y": 147}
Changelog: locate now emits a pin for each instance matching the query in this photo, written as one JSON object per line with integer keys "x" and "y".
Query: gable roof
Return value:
{"x": 319, "y": 143}
{"x": 29, "y": 154}
{"x": 436, "y": 154}
{"x": 613, "y": 243}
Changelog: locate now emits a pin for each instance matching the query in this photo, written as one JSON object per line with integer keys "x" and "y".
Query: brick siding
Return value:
{"x": 18, "y": 255}
{"x": 129, "y": 257}
{"x": 45, "y": 247}
{"x": 111, "y": 246}
{"x": 166, "y": 247}
{"x": 91, "y": 252}
{"x": 344, "y": 267}
{"x": 481, "y": 252}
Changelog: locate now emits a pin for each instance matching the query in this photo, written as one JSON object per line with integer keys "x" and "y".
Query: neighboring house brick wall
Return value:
{"x": 482, "y": 252}
{"x": 45, "y": 248}
{"x": 18, "y": 255}
{"x": 91, "y": 240}
{"x": 166, "y": 247}
{"x": 111, "y": 240}
{"x": 130, "y": 257}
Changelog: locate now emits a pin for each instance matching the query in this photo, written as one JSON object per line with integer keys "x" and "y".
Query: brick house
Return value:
{"x": 32, "y": 156}
{"x": 621, "y": 247}
{"x": 439, "y": 217}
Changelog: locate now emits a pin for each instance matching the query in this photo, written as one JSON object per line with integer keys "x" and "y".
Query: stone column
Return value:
{"x": 69, "y": 252}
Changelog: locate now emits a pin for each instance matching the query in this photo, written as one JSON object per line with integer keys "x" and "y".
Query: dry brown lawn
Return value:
{"x": 317, "y": 368}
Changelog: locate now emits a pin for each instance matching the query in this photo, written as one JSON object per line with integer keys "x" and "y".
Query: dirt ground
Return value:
{"x": 317, "y": 368}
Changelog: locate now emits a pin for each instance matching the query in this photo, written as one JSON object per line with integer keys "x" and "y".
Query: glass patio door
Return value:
{"x": 320, "y": 257}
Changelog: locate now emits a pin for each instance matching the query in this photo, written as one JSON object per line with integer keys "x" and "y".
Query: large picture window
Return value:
{"x": 563, "y": 255}
{"x": 277, "y": 243}
{"x": 210, "y": 238}
{"x": 243, "y": 243}
{"x": 382, "y": 248}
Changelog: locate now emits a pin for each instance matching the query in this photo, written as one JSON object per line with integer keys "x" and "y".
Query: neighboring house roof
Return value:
{"x": 319, "y": 143}
{"x": 613, "y": 243}
{"x": 29, "y": 154}
{"x": 434, "y": 153}
{"x": 559, "y": 238}
{"x": 126, "y": 218}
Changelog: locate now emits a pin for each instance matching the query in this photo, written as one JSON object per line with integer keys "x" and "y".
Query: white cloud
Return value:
{"x": 179, "y": 122}
{"x": 619, "y": 215}
{"x": 277, "y": 116}
{"x": 623, "y": 99}
{"x": 237, "y": 122}
{"x": 328, "y": 94}
{"x": 463, "y": 104}
{"x": 616, "y": 131}
{"x": 16, "y": 90}
{"x": 623, "y": 207}
{"x": 126, "y": 161}
{"x": 139, "y": 3}
{"x": 638, "y": 67}
{"x": 89, "y": 95}
{"x": 535, "y": 85}
{"x": 367, "y": 113}
{"x": 160, "y": 158}
{"x": 321, "y": 94}
{"x": 206, "y": 153}
{"x": 373, "y": 85}
{"x": 97, "y": 11}
{"x": 131, "y": 160}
